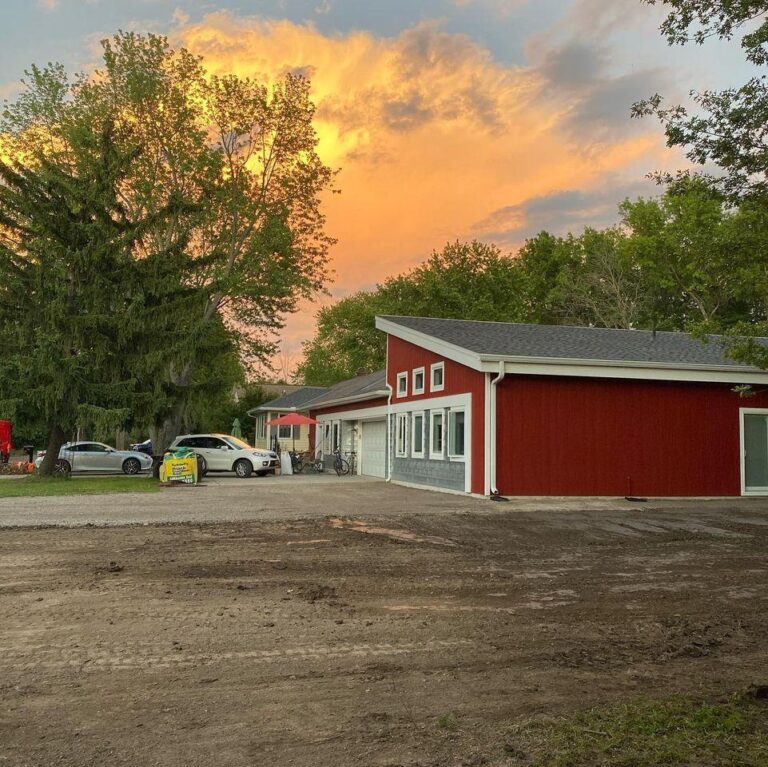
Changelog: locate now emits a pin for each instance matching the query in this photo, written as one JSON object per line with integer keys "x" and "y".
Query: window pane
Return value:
{"x": 402, "y": 433}
{"x": 437, "y": 377}
{"x": 756, "y": 451}
{"x": 418, "y": 434}
{"x": 437, "y": 433}
{"x": 457, "y": 433}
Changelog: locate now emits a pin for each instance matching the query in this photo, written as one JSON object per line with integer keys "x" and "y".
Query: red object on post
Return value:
{"x": 5, "y": 439}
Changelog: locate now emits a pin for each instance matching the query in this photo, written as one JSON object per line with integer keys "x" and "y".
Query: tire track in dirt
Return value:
{"x": 143, "y": 658}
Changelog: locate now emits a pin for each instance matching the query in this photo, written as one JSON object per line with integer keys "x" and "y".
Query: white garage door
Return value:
{"x": 374, "y": 449}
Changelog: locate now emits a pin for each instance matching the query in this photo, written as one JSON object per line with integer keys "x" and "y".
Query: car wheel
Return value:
{"x": 131, "y": 466}
{"x": 243, "y": 468}
{"x": 202, "y": 466}
{"x": 62, "y": 468}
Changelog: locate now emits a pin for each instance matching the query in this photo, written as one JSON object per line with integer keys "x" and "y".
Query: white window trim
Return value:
{"x": 421, "y": 390}
{"x": 432, "y": 369}
{"x": 459, "y": 401}
{"x": 414, "y": 416}
{"x": 436, "y": 455}
{"x": 402, "y": 377}
{"x": 401, "y": 417}
{"x": 742, "y": 450}
{"x": 451, "y": 454}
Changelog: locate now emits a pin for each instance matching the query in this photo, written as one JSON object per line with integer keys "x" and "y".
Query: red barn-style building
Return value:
{"x": 480, "y": 407}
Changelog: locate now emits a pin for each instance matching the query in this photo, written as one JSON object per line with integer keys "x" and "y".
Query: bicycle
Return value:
{"x": 352, "y": 460}
{"x": 306, "y": 462}
{"x": 341, "y": 467}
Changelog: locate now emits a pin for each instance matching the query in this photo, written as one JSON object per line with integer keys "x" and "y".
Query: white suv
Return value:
{"x": 223, "y": 452}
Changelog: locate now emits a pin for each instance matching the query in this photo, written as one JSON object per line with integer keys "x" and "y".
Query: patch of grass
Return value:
{"x": 447, "y": 721}
{"x": 37, "y": 486}
{"x": 674, "y": 732}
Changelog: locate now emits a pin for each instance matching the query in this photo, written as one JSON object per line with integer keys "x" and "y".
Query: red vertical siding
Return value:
{"x": 458, "y": 379}
{"x": 582, "y": 436}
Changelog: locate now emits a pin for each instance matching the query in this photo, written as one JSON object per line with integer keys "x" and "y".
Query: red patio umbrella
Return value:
{"x": 293, "y": 419}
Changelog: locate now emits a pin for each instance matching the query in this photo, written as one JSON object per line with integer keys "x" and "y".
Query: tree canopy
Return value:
{"x": 231, "y": 159}
{"x": 727, "y": 128}
{"x": 685, "y": 261}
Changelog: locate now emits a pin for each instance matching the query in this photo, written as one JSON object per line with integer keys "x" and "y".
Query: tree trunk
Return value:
{"x": 56, "y": 438}
{"x": 170, "y": 428}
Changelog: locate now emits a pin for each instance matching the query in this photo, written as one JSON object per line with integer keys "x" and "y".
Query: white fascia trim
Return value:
{"x": 368, "y": 414}
{"x": 579, "y": 368}
{"x": 433, "y": 403}
{"x": 638, "y": 371}
{"x": 442, "y": 348}
{"x": 378, "y": 394}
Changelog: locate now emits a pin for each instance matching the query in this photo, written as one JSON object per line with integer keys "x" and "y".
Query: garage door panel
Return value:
{"x": 373, "y": 461}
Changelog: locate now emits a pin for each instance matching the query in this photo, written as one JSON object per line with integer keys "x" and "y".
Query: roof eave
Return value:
{"x": 378, "y": 394}
{"x": 488, "y": 363}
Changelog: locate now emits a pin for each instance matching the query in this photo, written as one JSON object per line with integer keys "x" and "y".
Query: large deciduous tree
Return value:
{"x": 727, "y": 128}
{"x": 240, "y": 153}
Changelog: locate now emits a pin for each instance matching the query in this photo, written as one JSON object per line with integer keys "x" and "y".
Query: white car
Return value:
{"x": 223, "y": 452}
{"x": 98, "y": 457}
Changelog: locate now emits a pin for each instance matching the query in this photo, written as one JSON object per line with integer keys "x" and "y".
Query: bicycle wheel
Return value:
{"x": 341, "y": 466}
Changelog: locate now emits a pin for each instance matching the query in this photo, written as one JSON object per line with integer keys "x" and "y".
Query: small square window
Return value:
{"x": 402, "y": 384}
{"x": 418, "y": 381}
{"x": 437, "y": 376}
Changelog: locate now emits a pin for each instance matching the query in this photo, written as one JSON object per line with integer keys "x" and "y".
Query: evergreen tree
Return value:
{"x": 73, "y": 297}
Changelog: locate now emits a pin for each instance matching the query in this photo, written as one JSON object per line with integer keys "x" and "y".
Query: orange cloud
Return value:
{"x": 432, "y": 135}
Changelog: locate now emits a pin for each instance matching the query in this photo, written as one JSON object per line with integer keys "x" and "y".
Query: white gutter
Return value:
{"x": 492, "y": 426}
{"x": 389, "y": 432}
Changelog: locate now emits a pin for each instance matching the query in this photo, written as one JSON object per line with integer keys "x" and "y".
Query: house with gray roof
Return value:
{"x": 294, "y": 401}
{"x": 495, "y": 408}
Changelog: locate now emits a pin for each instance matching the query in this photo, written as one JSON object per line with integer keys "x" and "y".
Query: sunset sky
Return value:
{"x": 449, "y": 119}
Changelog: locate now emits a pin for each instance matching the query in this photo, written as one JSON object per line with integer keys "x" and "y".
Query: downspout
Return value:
{"x": 389, "y": 432}
{"x": 492, "y": 426}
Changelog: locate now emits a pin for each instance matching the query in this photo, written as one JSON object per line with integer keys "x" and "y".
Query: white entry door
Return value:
{"x": 373, "y": 450}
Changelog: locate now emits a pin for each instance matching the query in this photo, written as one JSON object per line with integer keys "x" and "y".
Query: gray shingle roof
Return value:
{"x": 506, "y": 339}
{"x": 295, "y": 400}
{"x": 362, "y": 387}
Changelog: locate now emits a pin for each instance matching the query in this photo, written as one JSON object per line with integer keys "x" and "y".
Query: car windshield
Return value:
{"x": 238, "y": 443}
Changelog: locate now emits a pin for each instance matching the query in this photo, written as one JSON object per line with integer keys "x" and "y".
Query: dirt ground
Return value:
{"x": 366, "y": 639}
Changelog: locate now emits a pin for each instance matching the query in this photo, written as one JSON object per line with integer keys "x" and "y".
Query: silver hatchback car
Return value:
{"x": 98, "y": 457}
